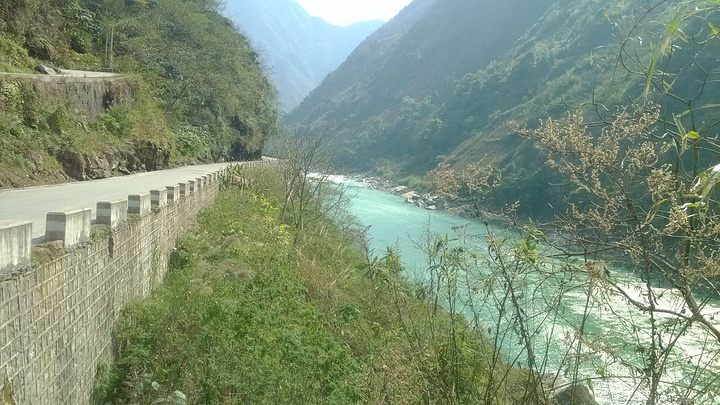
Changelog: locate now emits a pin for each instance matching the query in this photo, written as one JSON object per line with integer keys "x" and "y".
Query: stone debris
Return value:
{"x": 46, "y": 70}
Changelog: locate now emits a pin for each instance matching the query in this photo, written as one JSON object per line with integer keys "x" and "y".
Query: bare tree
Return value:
{"x": 308, "y": 174}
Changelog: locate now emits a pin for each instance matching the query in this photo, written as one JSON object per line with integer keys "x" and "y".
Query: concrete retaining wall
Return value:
{"x": 91, "y": 96}
{"x": 56, "y": 318}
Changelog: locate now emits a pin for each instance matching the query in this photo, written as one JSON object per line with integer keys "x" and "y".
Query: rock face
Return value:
{"x": 566, "y": 393}
{"x": 152, "y": 156}
{"x": 80, "y": 167}
{"x": 580, "y": 396}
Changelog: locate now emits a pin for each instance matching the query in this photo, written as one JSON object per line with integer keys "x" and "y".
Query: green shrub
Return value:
{"x": 193, "y": 143}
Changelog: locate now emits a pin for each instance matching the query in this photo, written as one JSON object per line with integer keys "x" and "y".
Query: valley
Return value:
{"x": 551, "y": 234}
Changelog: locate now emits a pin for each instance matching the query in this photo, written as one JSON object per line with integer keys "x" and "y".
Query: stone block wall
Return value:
{"x": 56, "y": 318}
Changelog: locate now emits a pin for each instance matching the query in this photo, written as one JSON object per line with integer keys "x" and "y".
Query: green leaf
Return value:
{"x": 179, "y": 395}
{"x": 692, "y": 135}
{"x": 708, "y": 180}
{"x": 714, "y": 29}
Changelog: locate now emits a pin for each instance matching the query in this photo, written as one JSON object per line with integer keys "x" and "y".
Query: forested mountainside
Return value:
{"x": 298, "y": 49}
{"x": 187, "y": 107}
{"x": 444, "y": 87}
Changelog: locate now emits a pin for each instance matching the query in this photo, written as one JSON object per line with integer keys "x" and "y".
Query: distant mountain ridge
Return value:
{"x": 299, "y": 49}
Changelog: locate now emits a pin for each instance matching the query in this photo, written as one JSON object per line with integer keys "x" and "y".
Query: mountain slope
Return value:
{"x": 452, "y": 83}
{"x": 299, "y": 49}
{"x": 201, "y": 93}
{"x": 405, "y": 68}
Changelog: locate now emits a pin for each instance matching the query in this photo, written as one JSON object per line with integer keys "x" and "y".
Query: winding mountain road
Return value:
{"x": 33, "y": 203}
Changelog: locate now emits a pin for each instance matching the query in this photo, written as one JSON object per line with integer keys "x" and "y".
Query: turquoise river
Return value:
{"x": 614, "y": 373}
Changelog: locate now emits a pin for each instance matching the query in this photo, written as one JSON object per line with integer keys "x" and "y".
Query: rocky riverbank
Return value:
{"x": 429, "y": 201}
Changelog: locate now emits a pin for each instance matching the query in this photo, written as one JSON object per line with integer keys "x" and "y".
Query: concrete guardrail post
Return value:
{"x": 139, "y": 204}
{"x": 15, "y": 244}
{"x": 112, "y": 213}
{"x": 158, "y": 198}
{"x": 192, "y": 187}
{"x": 71, "y": 226}
{"x": 173, "y": 193}
{"x": 184, "y": 189}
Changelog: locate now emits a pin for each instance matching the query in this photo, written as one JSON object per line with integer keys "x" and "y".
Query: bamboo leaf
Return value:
{"x": 714, "y": 29}
{"x": 7, "y": 395}
{"x": 692, "y": 135}
{"x": 652, "y": 70}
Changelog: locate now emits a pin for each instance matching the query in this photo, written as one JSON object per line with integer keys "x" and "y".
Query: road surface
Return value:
{"x": 33, "y": 203}
{"x": 70, "y": 73}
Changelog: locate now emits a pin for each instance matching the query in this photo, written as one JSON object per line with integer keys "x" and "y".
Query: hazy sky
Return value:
{"x": 346, "y": 12}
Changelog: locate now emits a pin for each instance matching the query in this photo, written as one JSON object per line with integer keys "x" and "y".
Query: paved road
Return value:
{"x": 86, "y": 73}
{"x": 33, "y": 203}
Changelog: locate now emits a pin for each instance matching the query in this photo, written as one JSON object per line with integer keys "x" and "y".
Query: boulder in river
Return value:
{"x": 411, "y": 195}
